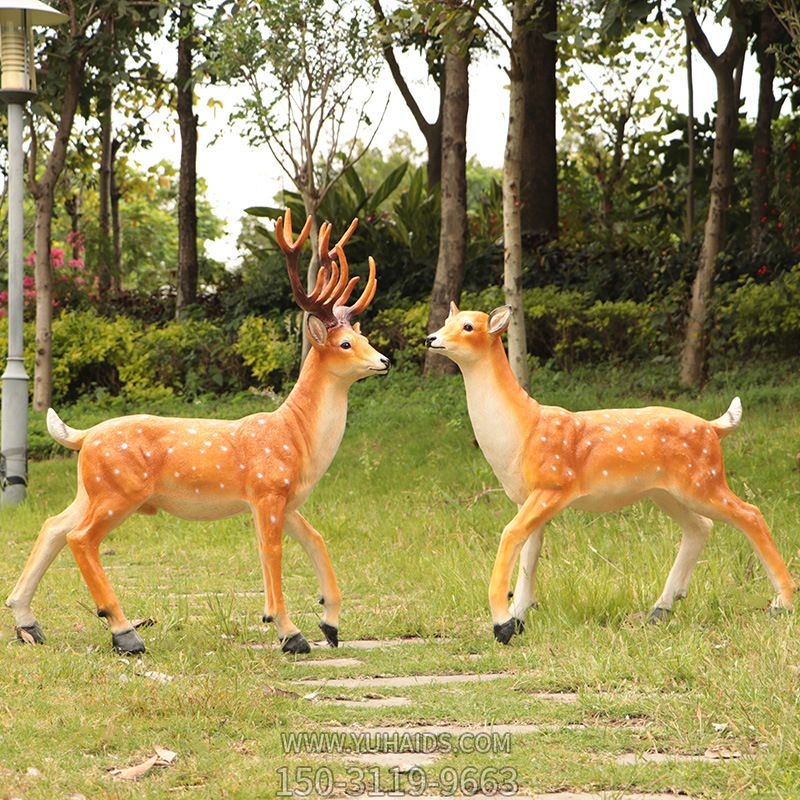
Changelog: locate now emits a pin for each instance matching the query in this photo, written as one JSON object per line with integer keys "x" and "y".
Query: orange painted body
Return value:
{"x": 548, "y": 458}
{"x": 207, "y": 469}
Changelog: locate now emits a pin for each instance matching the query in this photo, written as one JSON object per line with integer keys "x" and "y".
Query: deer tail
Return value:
{"x": 730, "y": 420}
{"x": 62, "y": 433}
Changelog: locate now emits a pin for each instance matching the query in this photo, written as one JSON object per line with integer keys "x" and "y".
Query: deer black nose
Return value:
{"x": 429, "y": 340}
{"x": 385, "y": 361}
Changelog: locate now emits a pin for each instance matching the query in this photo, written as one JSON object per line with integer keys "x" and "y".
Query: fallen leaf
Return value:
{"x": 312, "y": 696}
{"x": 78, "y": 626}
{"x": 165, "y": 757}
{"x": 145, "y": 622}
{"x": 160, "y": 677}
{"x": 25, "y": 636}
{"x": 721, "y": 752}
{"x": 135, "y": 772}
{"x": 32, "y": 772}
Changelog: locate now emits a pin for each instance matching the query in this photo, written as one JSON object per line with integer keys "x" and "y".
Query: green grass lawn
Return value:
{"x": 412, "y": 533}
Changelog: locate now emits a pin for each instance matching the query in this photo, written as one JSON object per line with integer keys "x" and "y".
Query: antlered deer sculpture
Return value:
{"x": 207, "y": 469}
{"x": 548, "y": 458}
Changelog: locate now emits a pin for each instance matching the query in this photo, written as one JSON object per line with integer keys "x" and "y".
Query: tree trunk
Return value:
{"x": 187, "y": 185}
{"x": 453, "y": 229}
{"x": 43, "y": 191}
{"x": 693, "y": 359}
{"x": 72, "y": 205}
{"x": 512, "y": 230}
{"x": 116, "y": 225}
{"x": 690, "y": 161}
{"x": 104, "y": 269}
{"x": 768, "y": 33}
{"x": 312, "y": 208}
{"x": 539, "y": 185}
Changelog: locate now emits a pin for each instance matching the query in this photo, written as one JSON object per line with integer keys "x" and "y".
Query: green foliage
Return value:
{"x": 400, "y": 332}
{"x": 185, "y": 358}
{"x": 266, "y": 350}
{"x": 763, "y": 317}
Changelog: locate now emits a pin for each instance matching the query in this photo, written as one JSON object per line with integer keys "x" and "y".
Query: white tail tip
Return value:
{"x": 62, "y": 433}
{"x": 730, "y": 420}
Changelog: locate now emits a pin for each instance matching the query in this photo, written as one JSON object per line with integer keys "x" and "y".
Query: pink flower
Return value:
{"x": 56, "y": 257}
{"x": 30, "y": 259}
{"x": 2, "y": 313}
{"x": 28, "y": 282}
{"x": 77, "y": 263}
{"x": 762, "y": 271}
{"x": 3, "y": 297}
{"x": 79, "y": 281}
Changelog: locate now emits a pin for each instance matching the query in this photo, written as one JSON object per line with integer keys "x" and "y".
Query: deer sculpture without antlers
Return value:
{"x": 208, "y": 469}
{"x": 547, "y": 458}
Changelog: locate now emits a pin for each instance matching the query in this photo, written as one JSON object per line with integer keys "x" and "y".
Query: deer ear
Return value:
{"x": 317, "y": 330}
{"x": 357, "y": 327}
{"x": 453, "y": 310}
{"x": 499, "y": 319}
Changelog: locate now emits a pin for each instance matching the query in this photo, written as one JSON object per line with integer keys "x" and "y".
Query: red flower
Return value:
{"x": 764, "y": 220}
{"x": 762, "y": 271}
{"x": 28, "y": 282}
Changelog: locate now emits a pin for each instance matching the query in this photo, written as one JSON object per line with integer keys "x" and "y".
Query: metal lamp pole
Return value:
{"x": 17, "y": 85}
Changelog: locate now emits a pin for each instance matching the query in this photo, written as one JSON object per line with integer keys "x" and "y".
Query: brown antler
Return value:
{"x": 332, "y": 288}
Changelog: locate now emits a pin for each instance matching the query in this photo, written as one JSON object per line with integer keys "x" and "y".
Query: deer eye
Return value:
{"x": 345, "y": 345}
{"x": 468, "y": 327}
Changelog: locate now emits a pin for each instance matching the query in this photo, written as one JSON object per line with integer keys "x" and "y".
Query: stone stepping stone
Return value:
{"x": 674, "y": 758}
{"x": 403, "y": 681}
{"x": 402, "y": 762}
{"x": 356, "y": 644}
{"x": 370, "y": 702}
{"x": 330, "y": 662}
{"x": 395, "y": 732}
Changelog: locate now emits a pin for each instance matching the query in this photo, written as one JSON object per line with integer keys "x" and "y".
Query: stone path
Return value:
{"x": 403, "y": 681}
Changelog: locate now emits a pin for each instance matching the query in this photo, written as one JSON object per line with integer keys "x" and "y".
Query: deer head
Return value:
{"x": 466, "y": 336}
{"x": 341, "y": 346}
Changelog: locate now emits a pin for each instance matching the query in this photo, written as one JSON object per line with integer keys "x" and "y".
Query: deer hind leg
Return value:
{"x": 728, "y": 507}
{"x": 524, "y": 597}
{"x": 331, "y": 598}
{"x": 49, "y": 543}
{"x": 269, "y": 513}
{"x": 84, "y": 541}
{"x": 696, "y": 530}
{"x": 540, "y": 506}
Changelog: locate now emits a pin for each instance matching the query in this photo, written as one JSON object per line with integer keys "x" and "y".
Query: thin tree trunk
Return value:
{"x": 539, "y": 187}
{"x": 312, "y": 208}
{"x": 43, "y": 191}
{"x": 187, "y": 185}
{"x": 512, "y": 230}
{"x": 693, "y": 359}
{"x": 690, "y": 163}
{"x": 116, "y": 225}
{"x": 768, "y": 33}
{"x": 72, "y": 205}
{"x": 104, "y": 195}
{"x": 449, "y": 276}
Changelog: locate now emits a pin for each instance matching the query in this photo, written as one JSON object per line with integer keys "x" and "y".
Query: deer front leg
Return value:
{"x": 540, "y": 506}
{"x": 524, "y": 597}
{"x": 299, "y": 528}
{"x": 268, "y": 513}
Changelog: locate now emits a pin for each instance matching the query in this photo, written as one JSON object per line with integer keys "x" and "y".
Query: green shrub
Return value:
{"x": 187, "y": 358}
{"x": 267, "y": 351}
{"x": 759, "y": 317}
{"x": 399, "y": 333}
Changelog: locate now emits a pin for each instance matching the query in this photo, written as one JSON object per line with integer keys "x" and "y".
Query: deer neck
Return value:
{"x": 502, "y": 413}
{"x": 316, "y": 411}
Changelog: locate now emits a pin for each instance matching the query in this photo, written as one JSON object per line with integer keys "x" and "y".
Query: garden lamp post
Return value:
{"x": 17, "y": 85}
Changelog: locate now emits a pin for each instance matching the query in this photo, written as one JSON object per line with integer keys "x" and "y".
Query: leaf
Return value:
{"x": 388, "y": 186}
{"x": 135, "y": 772}
{"x": 25, "y": 636}
{"x": 264, "y": 211}
{"x": 165, "y": 757}
{"x": 145, "y": 622}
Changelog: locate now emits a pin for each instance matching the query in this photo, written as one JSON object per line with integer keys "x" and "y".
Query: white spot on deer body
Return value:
{"x": 262, "y": 422}
{"x": 177, "y": 474}
{"x": 253, "y": 435}
{"x": 107, "y": 454}
{"x": 570, "y": 473}
{"x": 663, "y": 438}
{"x": 713, "y": 472}
{"x": 286, "y": 447}
{"x": 110, "y": 513}
{"x": 222, "y": 486}
{"x": 564, "y": 442}
{"x": 273, "y": 519}
{"x": 202, "y": 452}
{"x": 641, "y": 452}
{"x": 147, "y": 454}
{"x": 725, "y": 501}
{"x": 658, "y": 469}
{"x": 259, "y": 475}
{"x": 116, "y": 472}
{"x": 624, "y": 435}
{"x": 640, "y": 438}
{"x": 98, "y": 443}
{"x": 705, "y": 451}
{"x": 286, "y": 481}
{"x": 558, "y": 458}
{"x": 267, "y": 450}
{"x": 620, "y": 449}
{"x": 685, "y": 444}
{"x": 694, "y": 430}
{"x": 185, "y": 444}
{"x": 223, "y": 448}
{"x": 241, "y": 466}
{"x": 146, "y": 475}
{"x": 193, "y": 431}
{"x": 169, "y": 449}
{"x": 281, "y": 467}
{"x": 218, "y": 466}
{"x": 558, "y": 422}
{"x": 124, "y": 445}
{"x": 172, "y": 432}
{"x": 553, "y": 467}
{"x": 97, "y": 477}
{"x": 197, "y": 491}
{"x": 588, "y": 442}
{"x": 543, "y": 438}
{"x": 697, "y": 484}
{"x": 605, "y": 473}
{"x": 207, "y": 444}
{"x": 138, "y": 430}
{"x": 607, "y": 428}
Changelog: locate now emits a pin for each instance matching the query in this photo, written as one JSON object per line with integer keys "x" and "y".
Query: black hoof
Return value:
{"x": 331, "y": 633}
{"x": 32, "y": 631}
{"x": 295, "y": 644}
{"x": 659, "y": 614}
{"x": 773, "y": 612}
{"x": 128, "y": 642}
{"x": 504, "y": 632}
